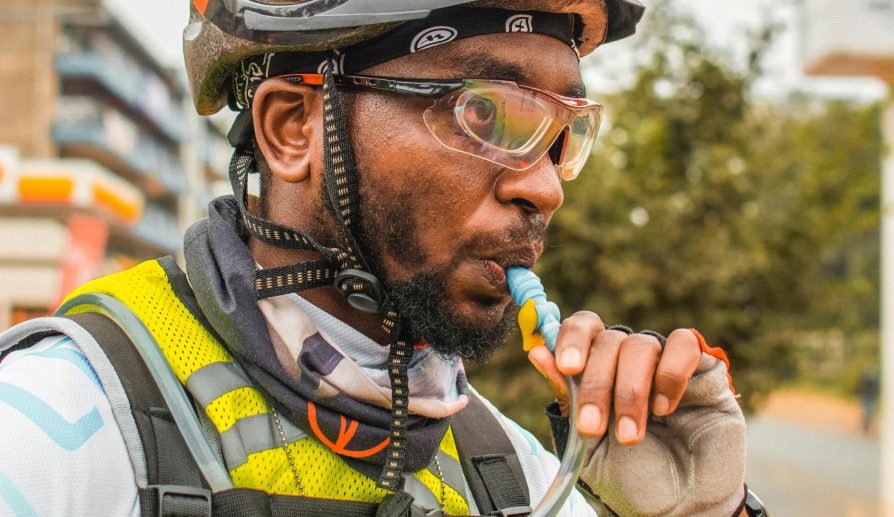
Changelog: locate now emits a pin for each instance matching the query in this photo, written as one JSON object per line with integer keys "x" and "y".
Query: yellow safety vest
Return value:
{"x": 252, "y": 447}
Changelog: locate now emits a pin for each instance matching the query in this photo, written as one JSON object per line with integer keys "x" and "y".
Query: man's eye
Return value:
{"x": 479, "y": 113}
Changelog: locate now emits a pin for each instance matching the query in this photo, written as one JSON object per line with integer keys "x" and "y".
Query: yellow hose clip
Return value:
{"x": 527, "y": 323}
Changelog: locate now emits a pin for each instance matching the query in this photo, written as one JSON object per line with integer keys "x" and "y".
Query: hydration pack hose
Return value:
{"x": 539, "y": 321}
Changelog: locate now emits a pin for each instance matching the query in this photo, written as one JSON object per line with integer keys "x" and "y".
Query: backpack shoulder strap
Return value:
{"x": 174, "y": 486}
{"x": 489, "y": 461}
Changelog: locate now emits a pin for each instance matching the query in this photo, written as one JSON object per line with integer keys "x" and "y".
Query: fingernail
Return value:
{"x": 590, "y": 418}
{"x": 626, "y": 429}
{"x": 661, "y": 406}
{"x": 569, "y": 358}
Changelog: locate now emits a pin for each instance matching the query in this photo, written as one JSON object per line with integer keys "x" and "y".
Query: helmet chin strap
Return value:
{"x": 346, "y": 270}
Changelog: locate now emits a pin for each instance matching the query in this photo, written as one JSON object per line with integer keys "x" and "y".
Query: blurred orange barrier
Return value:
{"x": 80, "y": 184}
{"x": 114, "y": 202}
{"x": 45, "y": 190}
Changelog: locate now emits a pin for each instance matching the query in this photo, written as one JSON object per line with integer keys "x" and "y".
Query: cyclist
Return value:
{"x": 309, "y": 359}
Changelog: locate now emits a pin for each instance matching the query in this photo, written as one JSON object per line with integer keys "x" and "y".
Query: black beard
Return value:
{"x": 425, "y": 310}
{"x": 422, "y": 299}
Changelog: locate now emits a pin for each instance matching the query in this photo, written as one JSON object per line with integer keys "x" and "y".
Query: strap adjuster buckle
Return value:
{"x": 370, "y": 299}
{"x": 198, "y": 500}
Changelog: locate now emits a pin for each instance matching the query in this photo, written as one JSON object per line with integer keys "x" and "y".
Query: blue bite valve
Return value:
{"x": 538, "y": 315}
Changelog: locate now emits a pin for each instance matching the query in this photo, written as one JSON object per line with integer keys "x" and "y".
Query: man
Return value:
{"x": 410, "y": 153}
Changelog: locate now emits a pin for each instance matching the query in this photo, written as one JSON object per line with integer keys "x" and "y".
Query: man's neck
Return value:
{"x": 326, "y": 298}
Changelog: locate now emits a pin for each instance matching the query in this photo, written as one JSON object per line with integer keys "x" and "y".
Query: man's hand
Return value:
{"x": 675, "y": 442}
{"x": 619, "y": 372}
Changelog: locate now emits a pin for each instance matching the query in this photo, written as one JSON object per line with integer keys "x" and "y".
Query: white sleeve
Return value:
{"x": 539, "y": 465}
{"x": 62, "y": 452}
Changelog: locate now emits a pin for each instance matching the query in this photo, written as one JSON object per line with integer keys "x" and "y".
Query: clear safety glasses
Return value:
{"x": 500, "y": 121}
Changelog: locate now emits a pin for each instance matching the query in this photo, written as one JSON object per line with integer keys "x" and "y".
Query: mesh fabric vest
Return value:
{"x": 252, "y": 447}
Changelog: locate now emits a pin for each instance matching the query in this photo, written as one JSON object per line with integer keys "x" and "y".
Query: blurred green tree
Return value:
{"x": 754, "y": 221}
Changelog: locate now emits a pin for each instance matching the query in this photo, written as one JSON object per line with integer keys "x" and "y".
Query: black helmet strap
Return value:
{"x": 340, "y": 170}
{"x": 347, "y": 269}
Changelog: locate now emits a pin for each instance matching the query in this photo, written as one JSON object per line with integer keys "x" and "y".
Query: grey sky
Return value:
{"x": 160, "y": 23}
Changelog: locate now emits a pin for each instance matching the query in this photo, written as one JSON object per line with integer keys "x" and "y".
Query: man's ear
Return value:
{"x": 286, "y": 127}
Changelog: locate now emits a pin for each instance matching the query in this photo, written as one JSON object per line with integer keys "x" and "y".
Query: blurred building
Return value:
{"x": 103, "y": 162}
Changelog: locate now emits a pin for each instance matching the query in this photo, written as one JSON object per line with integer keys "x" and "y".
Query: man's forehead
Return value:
{"x": 528, "y": 59}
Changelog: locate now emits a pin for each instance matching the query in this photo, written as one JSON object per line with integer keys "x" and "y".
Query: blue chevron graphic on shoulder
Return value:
{"x": 73, "y": 356}
{"x": 13, "y": 498}
{"x": 68, "y": 435}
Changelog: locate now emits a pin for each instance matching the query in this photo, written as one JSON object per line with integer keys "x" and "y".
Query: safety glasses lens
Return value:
{"x": 512, "y": 121}
{"x": 582, "y": 136}
{"x": 512, "y": 126}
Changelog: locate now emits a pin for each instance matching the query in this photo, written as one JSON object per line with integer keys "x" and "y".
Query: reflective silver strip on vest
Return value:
{"x": 452, "y": 476}
{"x": 253, "y": 434}
{"x": 422, "y": 495}
{"x": 248, "y": 435}
{"x": 211, "y": 381}
{"x": 452, "y": 471}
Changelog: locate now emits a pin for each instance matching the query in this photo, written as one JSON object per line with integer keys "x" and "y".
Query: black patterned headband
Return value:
{"x": 442, "y": 26}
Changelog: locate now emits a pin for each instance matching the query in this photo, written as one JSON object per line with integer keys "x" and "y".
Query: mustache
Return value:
{"x": 530, "y": 231}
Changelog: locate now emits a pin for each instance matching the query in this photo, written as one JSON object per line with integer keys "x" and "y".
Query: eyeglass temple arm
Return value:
{"x": 428, "y": 89}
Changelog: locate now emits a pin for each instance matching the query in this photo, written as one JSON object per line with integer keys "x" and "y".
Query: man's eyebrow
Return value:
{"x": 486, "y": 67}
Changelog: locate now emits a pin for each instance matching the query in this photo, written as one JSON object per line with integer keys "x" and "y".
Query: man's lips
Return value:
{"x": 495, "y": 264}
{"x": 497, "y": 274}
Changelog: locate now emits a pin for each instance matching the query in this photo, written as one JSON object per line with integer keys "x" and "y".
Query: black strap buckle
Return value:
{"x": 370, "y": 299}
{"x": 181, "y": 500}
{"x": 515, "y": 511}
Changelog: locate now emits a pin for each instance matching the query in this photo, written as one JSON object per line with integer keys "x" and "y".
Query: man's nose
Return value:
{"x": 537, "y": 190}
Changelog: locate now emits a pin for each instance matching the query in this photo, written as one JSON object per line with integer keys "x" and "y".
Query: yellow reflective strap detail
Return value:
{"x": 448, "y": 445}
{"x": 145, "y": 289}
{"x": 454, "y": 504}
{"x": 323, "y": 474}
{"x": 268, "y": 471}
{"x": 236, "y": 404}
